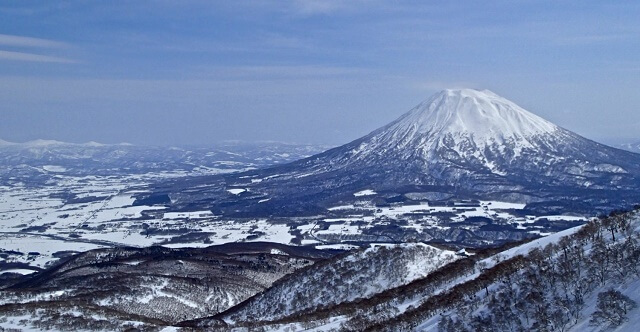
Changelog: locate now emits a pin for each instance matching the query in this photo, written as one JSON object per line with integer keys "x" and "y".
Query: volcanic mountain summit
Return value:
{"x": 463, "y": 144}
{"x": 459, "y": 118}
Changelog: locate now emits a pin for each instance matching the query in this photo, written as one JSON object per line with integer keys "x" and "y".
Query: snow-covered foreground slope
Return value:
{"x": 630, "y": 289}
{"x": 552, "y": 284}
{"x": 358, "y": 275}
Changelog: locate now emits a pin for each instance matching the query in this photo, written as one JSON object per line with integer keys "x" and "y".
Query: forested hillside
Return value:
{"x": 585, "y": 280}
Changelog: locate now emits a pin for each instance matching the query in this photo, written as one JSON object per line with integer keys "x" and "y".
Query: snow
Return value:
{"x": 431, "y": 324}
{"x": 416, "y": 269}
{"x": 188, "y": 215}
{"x": 342, "y": 207}
{"x": 539, "y": 243}
{"x": 20, "y": 271}
{"x": 344, "y": 229}
{"x": 465, "y": 121}
{"x": 159, "y": 290}
{"x": 340, "y": 246}
{"x": 93, "y": 144}
{"x": 33, "y": 297}
{"x": 236, "y": 191}
{"x": 415, "y": 261}
{"x": 425, "y": 215}
{"x": 6, "y": 143}
{"x": 54, "y": 169}
{"x": 629, "y": 288}
{"x": 366, "y": 192}
{"x": 503, "y": 205}
{"x": 44, "y": 246}
{"x": 484, "y": 114}
{"x": 170, "y": 329}
{"x": 43, "y": 142}
{"x": 275, "y": 251}
{"x": 19, "y": 323}
{"x": 108, "y": 218}
{"x": 632, "y": 290}
{"x": 567, "y": 218}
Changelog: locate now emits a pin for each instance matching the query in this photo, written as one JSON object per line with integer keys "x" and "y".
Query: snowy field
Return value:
{"x": 78, "y": 213}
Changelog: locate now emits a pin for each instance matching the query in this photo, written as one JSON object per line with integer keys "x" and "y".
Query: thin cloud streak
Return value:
{"x": 20, "y": 41}
{"x": 30, "y": 57}
{"x": 313, "y": 7}
{"x": 324, "y": 7}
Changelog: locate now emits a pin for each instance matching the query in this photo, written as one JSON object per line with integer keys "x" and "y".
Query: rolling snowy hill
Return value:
{"x": 152, "y": 286}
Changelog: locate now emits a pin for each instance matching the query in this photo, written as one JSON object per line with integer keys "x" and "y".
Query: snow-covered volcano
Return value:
{"x": 466, "y": 124}
{"x": 478, "y": 118}
{"x": 458, "y": 143}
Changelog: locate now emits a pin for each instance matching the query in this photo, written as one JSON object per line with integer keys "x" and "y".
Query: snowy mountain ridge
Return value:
{"x": 92, "y": 158}
{"x": 48, "y": 143}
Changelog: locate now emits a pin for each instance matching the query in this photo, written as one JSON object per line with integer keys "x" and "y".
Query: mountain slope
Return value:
{"x": 461, "y": 143}
{"x": 554, "y": 287}
{"x": 358, "y": 275}
{"x": 549, "y": 284}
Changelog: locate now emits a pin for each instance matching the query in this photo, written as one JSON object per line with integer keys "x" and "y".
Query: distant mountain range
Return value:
{"x": 466, "y": 144}
{"x": 633, "y": 147}
{"x": 42, "y": 157}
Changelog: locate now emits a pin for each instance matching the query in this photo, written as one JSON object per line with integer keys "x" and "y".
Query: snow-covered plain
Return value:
{"x": 37, "y": 222}
{"x": 78, "y": 213}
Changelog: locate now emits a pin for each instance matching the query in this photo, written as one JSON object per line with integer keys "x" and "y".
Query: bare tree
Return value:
{"x": 612, "y": 308}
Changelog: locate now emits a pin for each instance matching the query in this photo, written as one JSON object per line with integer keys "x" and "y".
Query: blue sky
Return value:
{"x": 196, "y": 72}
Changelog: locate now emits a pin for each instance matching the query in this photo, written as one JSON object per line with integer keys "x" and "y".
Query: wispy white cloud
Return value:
{"x": 18, "y": 45}
{"x": 310, "y": 7}
{"x": 316, "y": 7}
{"x": 30, "y": 57}
{"x": 20, "y": 41}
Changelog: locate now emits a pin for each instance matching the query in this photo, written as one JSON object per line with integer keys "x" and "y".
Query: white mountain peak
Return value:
{"x": 43, "y": 143}
{"x": 482, "y": 117}
{"x": 482, "y": 114}
{"x": 6, "y": 143}
{"x": 93, "y": 144}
